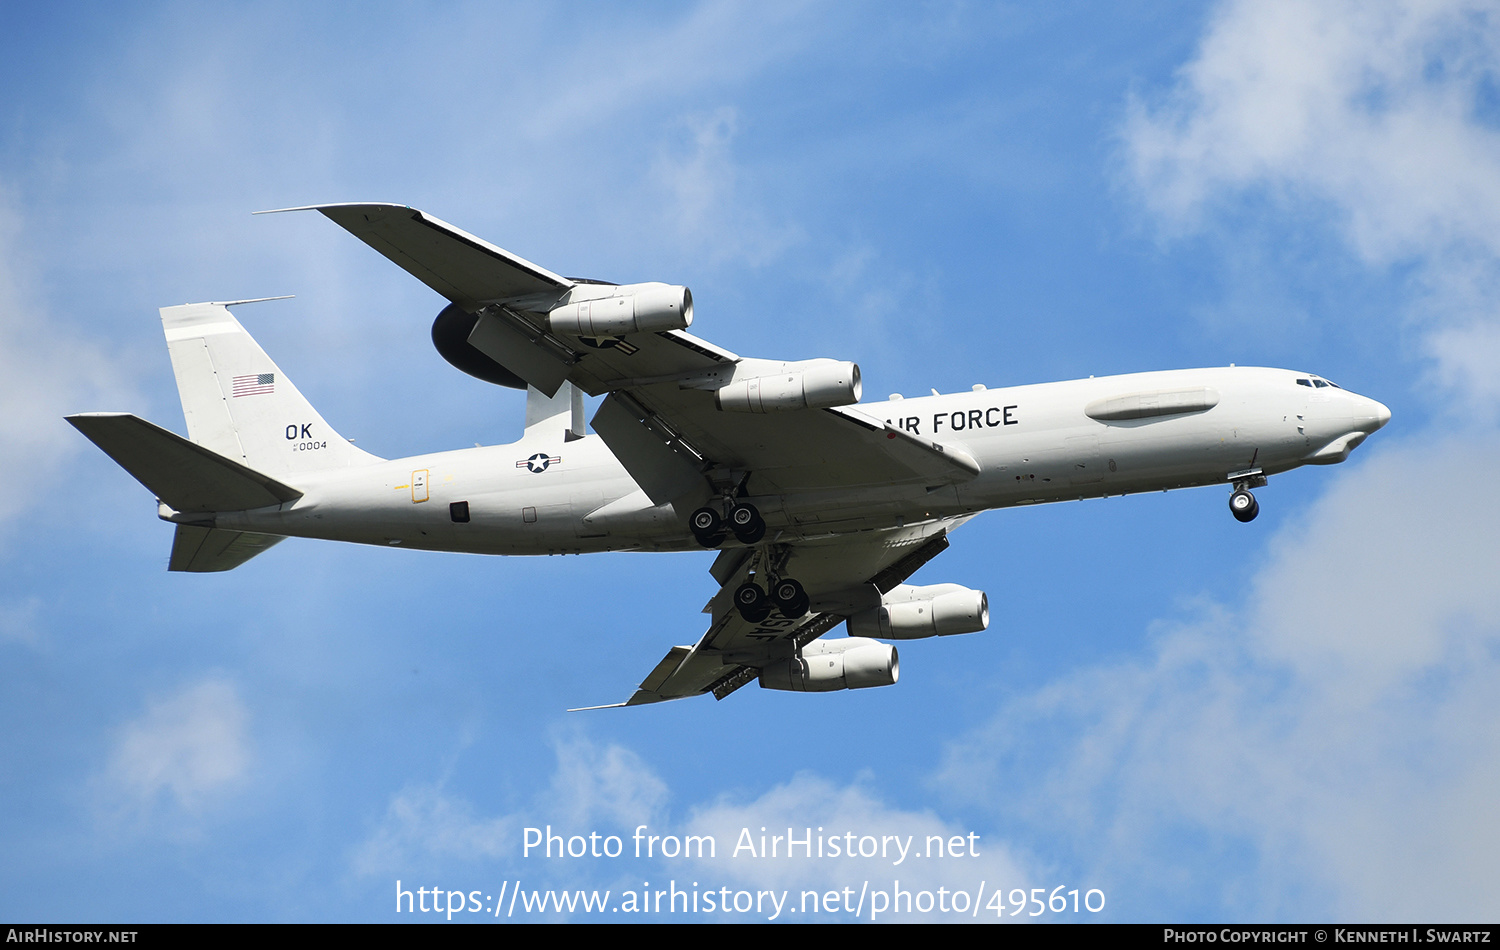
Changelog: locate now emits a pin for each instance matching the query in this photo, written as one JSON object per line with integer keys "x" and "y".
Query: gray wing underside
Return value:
{"x": 843, "y": 576}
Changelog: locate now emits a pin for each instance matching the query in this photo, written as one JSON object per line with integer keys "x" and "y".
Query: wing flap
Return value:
{"x": 682, "y": 673}
{"x": 523, "y": 353}
{"x": 662, "y": 469}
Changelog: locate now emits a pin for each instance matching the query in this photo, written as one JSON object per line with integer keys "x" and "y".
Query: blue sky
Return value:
{"x": 1287, "y": 720}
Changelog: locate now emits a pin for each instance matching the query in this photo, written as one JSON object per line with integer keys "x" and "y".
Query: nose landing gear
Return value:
{"x": 1242, "y": 504}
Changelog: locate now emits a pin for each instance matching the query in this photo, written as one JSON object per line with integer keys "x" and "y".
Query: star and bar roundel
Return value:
{"x": 539, "y": 462}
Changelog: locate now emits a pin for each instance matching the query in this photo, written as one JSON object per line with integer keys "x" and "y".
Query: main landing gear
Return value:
{"x": 1242, "y": 504}
{"x": 710, "y": 528}
{"x": 715, "y": 521}
{"x": 755, "y": 602}
{"x": 786, "y": 596}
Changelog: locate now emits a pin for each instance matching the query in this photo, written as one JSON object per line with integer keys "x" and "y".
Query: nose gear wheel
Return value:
{"x": 1243, "y": 506}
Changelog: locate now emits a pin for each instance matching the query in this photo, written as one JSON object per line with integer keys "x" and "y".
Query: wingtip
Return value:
{"x": 79, "y": 420}
{"x": 237, "y": 303}
{"x": 337, "y": 204}
{"x": 605, "y": 706}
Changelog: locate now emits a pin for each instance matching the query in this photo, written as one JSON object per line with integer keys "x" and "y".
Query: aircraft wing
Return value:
{"x": 843, "y": 576}
{"x": 467, "y": 270}
{"x": 661, "y": 419}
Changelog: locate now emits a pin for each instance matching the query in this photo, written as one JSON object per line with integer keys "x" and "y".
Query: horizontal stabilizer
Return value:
{"x": 208, "y": 550}
{"x": 180, "y": 473}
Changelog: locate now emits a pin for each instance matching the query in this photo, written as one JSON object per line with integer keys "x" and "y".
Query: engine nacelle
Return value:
{"x": 827, "y": 665}
{"x": 808, "y": 384}
{"x": 632, "y": 308}
{"x": 914, "y": 613}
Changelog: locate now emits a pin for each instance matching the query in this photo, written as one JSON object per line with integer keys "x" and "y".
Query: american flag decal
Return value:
{"x": 254, "y": 385}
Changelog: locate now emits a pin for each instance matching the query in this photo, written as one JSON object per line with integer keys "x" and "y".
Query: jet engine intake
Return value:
{"x": 808, "y": 384}
{"x": 914, "y": 613}
{"x": 828, "y": 665}
{"x": 632, "y": 308}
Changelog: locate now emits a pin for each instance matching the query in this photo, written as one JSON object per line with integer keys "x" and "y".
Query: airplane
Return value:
{"x": 821, "y": 506}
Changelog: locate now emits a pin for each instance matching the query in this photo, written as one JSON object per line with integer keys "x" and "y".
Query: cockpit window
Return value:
{"x": 1305, "y": 382}
{"x": 1320, "y": 384}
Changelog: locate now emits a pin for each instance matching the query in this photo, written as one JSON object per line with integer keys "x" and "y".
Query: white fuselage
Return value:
{"x": 545, "y": 495}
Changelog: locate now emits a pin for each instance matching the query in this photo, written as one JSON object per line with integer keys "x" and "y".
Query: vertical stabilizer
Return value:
{"x": 238, "y": 402}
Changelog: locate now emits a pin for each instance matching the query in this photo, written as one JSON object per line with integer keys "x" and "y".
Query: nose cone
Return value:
{"x": 1379, "y": 414}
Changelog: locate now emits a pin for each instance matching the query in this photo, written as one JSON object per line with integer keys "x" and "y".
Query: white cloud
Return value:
{"x": 1376, "y": 117}
{"x": 705, "y": 206}
{"x": 46, "y": 371}
{"x": 1468, "y": 355}
{"x": 1340, "y": 733}
{"x": 190, "y": 748}
{"x": 423, "y": 823}
{"x": 611, "y": 785}
{"x": 620, "y": 68}
{"x": 810, "y": 807}
{"x": 610, "y": 790}
{"x": 593, "y": 787}
{"x": 1368, "y": 106}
